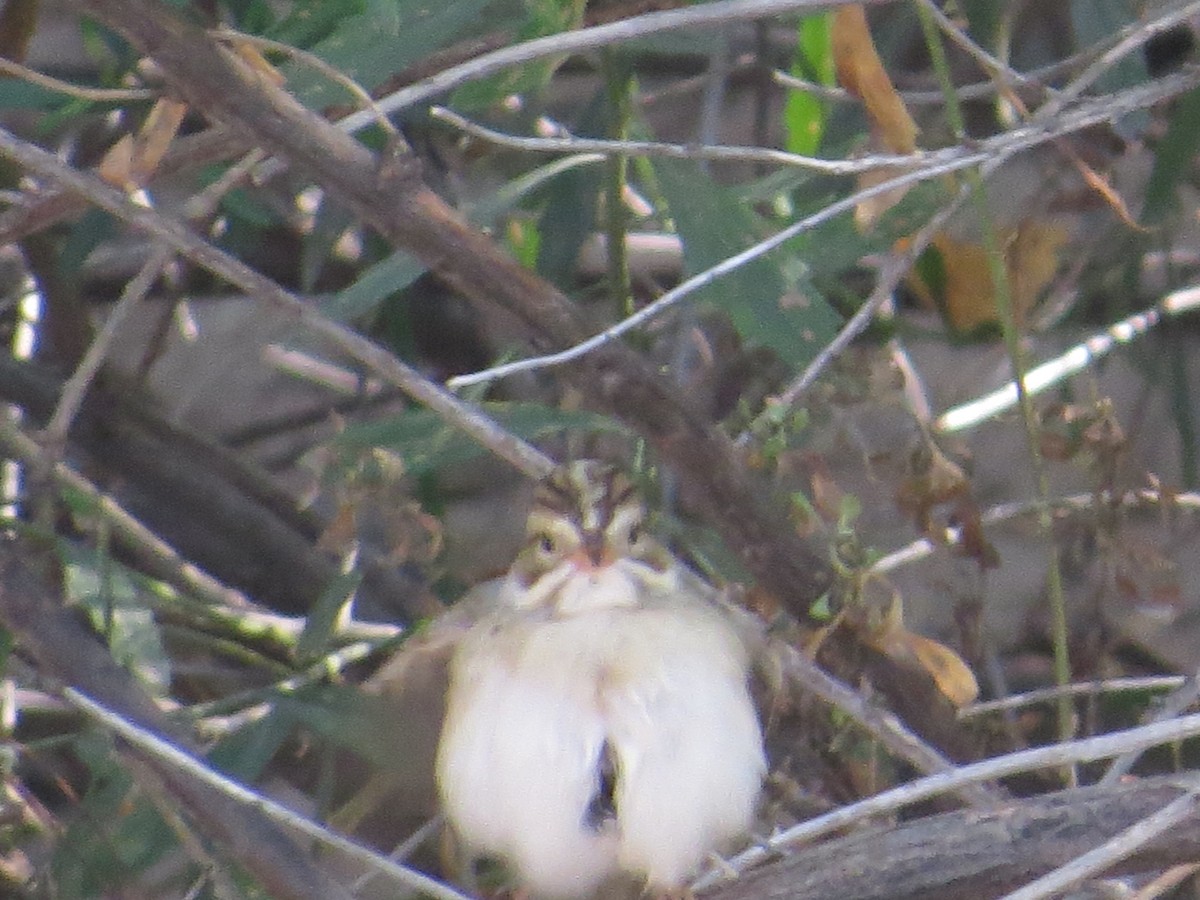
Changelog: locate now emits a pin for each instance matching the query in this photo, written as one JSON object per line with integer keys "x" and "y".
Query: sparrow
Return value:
{"x": 599, "y": 722}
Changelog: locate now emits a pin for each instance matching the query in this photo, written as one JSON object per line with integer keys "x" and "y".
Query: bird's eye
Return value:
{"x": 635, "y": 533}
{"x": 545, "y": 543}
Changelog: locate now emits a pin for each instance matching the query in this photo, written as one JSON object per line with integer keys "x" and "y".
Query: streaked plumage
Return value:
{"x": 599, "y": 721}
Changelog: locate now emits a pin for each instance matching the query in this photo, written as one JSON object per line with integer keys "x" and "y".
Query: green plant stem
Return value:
{"x": 1016, "y": 354}
{"x": 619, "y": 79}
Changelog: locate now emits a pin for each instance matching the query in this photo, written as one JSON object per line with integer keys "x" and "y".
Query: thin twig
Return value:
{"x": 1007, "y": 313}
{"x": 1130, "y": 38}
{"x": 893, "y": 269}
{"x": 1171, "y": 706}
{"x": 98, "y": 95}
{"x": 995, "y": 67}
{"x": 1165, "y": 882}
{"x": 975, "y": 91}
{"x": 699, "y": 16}
{"x": 568, "y": 143}
{"x": 203, "y": 204}
{"x": 404, "y": 849}
{"x": 338, "y": 77}
{"x": 224, "y": 602}
{"x": 923, "y": 547}
{"x": 702, "y": 279}
{"x": 329, "y": 666}
{"x": 73, "y": 392}
{"x": 1074, "y": 689}
{"x": 881, "y": 724}
{"x": 1052, "y": 372}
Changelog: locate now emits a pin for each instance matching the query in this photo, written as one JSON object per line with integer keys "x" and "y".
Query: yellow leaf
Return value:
{"x": 952, "y": 676}
{"x": 252, "y": 57}
{"x": 155, "y": 137}
{"x": 1032, "y": 261}
{"x": 861, "y": 72}
{"x": 116, "y": 168}
{"x": 944, "y": 667}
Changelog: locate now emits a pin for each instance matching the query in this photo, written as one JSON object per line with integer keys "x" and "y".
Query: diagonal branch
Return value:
{"x": 67, "y": 651}
{"x": 389, "y": 194}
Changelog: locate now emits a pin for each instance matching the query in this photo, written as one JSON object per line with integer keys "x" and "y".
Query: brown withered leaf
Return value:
{"x": 932, "y": 479}
{"x": 341, "y": 532}
{"x": 879, "y": 623}
{"x": 972, "y": 542}
{"x": 155, "y": 136}
{"x": 870, "y": 210}
{"x": 966, "y": 297}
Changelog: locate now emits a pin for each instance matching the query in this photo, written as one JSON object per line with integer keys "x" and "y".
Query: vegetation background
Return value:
{"x": 782, "y": 259}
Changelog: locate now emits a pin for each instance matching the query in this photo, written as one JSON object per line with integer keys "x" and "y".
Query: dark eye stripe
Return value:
{"x": 587, "y": 492}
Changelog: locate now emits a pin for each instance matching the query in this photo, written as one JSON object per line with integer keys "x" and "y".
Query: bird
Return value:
{"x": 599, "y": 722}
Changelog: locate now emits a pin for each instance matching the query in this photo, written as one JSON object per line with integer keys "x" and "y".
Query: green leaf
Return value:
{"x": 116, "y": 610}
{"x": 386, "y": 37}
{"x": 486, "y": 211}
{"x": 786, "y": 314}
{"x": 244, "y": 754}
{"x": 376, "y": 284}
{"x": 117, "y": 834}
{"x": 18, "y": 94}
{"x": 93, "y": 228}
{"x": 331, "y": 222}
{"x": 571, "y": 199}
{"x": 1173, "y": 158}
{"x": 543, "y": 17}
{"x": 323, "y": 619}
{"x": 309, "y": 21}
{"x": 248, "y": 209}
{"x": 399, "y": 270}
{"x": 804, "y": 115}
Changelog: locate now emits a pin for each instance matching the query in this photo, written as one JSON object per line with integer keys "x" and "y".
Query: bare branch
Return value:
{"x": 969, "y": 853}
{"x": 1066, "y": 753}
{"x": 1119, "y": 847}
{"x": 387, "y": 366}
{"x": 167, "y": 755}
{"x": 73, "y": 392}
{"x": 66, "y": 650}
{"x": 96, "y": 95}
{"x": 389, "y": 195}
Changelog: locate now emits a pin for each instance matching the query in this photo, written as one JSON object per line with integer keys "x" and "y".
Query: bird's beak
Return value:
{"x": 593, "y": 553}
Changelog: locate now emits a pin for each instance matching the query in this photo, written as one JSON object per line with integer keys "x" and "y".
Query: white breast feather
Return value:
{"x": 665, "y": 686}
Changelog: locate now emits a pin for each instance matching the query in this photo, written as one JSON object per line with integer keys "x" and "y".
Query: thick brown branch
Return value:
{"x": 974, "y": 854}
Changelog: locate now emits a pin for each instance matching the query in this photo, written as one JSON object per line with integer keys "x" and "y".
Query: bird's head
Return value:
{"x": 587, "y": 526}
